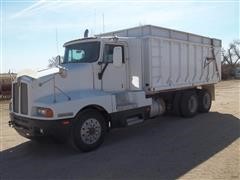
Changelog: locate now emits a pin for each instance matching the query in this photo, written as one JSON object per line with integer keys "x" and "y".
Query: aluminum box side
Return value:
{"x": 174, "y": 64}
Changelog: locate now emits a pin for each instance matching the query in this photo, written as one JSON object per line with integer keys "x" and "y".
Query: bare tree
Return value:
{"x": 54, "y": 61}
{"x": 231, "y": 56}
{"x": 231, "y": 59}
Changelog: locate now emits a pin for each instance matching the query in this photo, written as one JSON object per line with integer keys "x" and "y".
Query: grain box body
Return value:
{"x": 173, "y": 59}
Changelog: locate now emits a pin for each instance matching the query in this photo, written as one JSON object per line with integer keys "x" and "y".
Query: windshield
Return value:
{"x": 86, "y": 52}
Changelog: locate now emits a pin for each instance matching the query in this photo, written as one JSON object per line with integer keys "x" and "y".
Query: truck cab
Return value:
{"x": 92, "y": 83}
{"x": 97, "y": 54}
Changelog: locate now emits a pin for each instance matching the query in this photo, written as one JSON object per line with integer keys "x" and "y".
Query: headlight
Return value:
{"x": 44, "y": 112}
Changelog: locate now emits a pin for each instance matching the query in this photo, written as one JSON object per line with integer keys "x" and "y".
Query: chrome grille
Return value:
{"x": 24, "y": 98}
{"x": 15, "y": 92}
{"x": 20, "y": 93}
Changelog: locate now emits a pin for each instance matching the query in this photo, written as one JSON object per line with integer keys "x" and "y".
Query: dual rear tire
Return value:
{"x": 192, "y": 102}
{"x": 189, "y": 104}
{"x": 204, "y": 101}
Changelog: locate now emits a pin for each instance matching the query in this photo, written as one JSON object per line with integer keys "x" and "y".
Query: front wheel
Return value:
{"x": 89, "y": 130}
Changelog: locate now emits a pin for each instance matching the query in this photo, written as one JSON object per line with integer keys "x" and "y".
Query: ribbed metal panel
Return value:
{"x": 24, "y": 98}
{"x": 156, "y": 31}
{"x": 15, "y": 97}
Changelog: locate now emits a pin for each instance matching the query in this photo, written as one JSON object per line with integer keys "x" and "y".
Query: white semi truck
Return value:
{"x": 115, "y": 80}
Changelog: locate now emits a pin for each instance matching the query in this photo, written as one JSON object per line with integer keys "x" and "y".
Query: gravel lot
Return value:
{"x": 168, "y": 147}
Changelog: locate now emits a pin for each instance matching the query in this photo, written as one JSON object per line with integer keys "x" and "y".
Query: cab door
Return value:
{"x": 114, "y": 78}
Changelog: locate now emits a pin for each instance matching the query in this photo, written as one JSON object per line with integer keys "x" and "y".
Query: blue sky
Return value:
{"x": 28, "y": 28}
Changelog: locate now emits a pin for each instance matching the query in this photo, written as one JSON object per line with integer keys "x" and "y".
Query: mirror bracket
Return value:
{"x": 100, "y": 75}
{"x": 100, "y": 63}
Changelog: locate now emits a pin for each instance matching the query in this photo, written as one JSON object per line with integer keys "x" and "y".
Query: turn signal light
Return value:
{"x": 45, "y": 112}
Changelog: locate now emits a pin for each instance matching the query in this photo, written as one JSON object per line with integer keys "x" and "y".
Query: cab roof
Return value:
{"x": 78, "y": 40}
{"x": 104, "y": 38}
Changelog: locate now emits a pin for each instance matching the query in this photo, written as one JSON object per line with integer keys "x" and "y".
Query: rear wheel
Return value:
{"x": 89, "y": 130}
{"x": 189, "y": 104}
{"x": 204, "y": 101}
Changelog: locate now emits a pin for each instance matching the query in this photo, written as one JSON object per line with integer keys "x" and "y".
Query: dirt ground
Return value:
{"x": 168, "y": 147}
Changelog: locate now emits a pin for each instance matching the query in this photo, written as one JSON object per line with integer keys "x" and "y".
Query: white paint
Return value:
{"x": 169, "y": 59}
{"x": 135, "y": 81}
{"x": 155, "y": 59}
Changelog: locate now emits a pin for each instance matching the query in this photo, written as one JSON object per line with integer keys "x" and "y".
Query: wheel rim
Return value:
{"x": 90, "y": 131}
{"x": 192, "y": 105}
{"x": 206, "y": 101}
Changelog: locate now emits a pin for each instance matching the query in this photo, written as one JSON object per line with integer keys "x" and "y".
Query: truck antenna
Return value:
{"x": 56, "y": 32}
{"x": 95, "y": 21}
{"x": 103, "y": 22}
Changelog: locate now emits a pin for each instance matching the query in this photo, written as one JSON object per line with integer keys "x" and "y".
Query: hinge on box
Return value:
{"x": 208, "y": 60}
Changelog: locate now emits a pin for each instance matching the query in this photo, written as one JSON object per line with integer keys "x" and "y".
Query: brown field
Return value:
{"x": 168, "y": 147}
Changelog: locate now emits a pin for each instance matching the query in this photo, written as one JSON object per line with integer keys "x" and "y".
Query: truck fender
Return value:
{"x": 99, "y": 109}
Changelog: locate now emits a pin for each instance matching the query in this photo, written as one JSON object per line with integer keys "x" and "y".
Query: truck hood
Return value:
{"x": 35, "y": 74}
{"x": 77, "y": 77}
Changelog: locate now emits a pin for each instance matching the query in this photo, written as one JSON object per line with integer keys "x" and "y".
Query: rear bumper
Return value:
{"x": 30, "y": 128}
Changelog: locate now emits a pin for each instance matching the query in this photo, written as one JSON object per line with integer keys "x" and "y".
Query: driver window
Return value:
{"x": 108, "y": 53}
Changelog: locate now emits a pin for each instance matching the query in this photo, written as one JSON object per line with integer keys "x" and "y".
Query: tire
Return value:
{"x": 189, "y": 104}
{"x": 88, "y": 131}
{"x": 204, "y": 101}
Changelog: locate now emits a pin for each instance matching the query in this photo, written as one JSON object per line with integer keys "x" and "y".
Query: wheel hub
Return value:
{"x": 90, "y": 131}
{"x": 192, "y": 104}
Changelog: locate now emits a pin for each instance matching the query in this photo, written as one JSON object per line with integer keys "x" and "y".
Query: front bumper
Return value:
{"x": 31, "y": 128}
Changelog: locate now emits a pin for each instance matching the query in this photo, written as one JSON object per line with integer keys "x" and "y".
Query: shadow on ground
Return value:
{"x": 165, "y": 147}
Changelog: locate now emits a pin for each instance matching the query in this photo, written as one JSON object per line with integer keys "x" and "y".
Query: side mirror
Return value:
{"x": 117, "y": 56}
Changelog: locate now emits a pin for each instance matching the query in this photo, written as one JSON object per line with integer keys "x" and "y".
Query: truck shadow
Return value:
{"x": 164, "y": 148}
